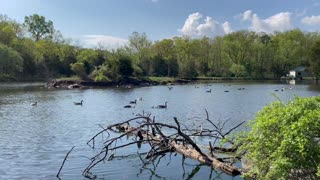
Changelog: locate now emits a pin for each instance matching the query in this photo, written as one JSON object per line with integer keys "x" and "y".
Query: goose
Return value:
{"x": 161, "y": 106}
{"x": 133, "y": 102}
{"x": 128, "y": 106}
{"x": 170, "y": 87}
{"x": 209, "y": 91}
{"x": 78, "y": 103}
{"x": 34, "y": 103}
{"x": 226, "y": 91}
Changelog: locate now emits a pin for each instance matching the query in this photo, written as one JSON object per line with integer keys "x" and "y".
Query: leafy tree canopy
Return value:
{"x": 38, "y": 26}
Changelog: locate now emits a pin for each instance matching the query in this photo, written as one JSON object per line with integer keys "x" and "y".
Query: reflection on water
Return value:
{"x": 35, "y": 139}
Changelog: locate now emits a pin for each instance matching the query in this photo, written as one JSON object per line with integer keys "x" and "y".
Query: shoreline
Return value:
{"x": 127, "y": 83}
{"x": 132, "y": 82}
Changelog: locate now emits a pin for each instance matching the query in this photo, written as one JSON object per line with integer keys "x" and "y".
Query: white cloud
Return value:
{"x": 109, "y": 42}
{"x": 278, "y": 22}
{"x": 226, "y": 27}
{"x": 311, "y": 20}
{"x": 194, "y": 28}
{"x": 247, "y": 15}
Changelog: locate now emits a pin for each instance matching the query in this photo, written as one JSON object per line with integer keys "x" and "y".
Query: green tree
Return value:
{"x": 125, "y": 67}
{"x": 186, "y": 56}
{"x": 38, "y": 26}
{"x": 288, "y": 48}
{"x": 27, "y": 50}
{"x": 238, "y": 70}
{"x": 315, "y": 59}
{"x": 10, "y": 61}
{"x": 89, "y": 58}
{"x": 262, "y": 54}
{"x": 7, "y": 34}
{"x": 140, "y": 47}
{"x": 79, "y": 69}
{"x": 47, "y": 57}
{"x": 218, "y": 64}
{"x": 165, "y": 52}
{"x": 284, "y": 142}
{"x": 238, "y": 47}
{"x": 67, "y": 55}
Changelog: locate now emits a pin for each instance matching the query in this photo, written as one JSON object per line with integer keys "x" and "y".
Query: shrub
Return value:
{"x": 284, "y": 142}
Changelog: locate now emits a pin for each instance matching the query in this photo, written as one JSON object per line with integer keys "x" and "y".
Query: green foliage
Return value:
{"x": 238, "y": 70}
{"x": 315, "y": 59}
{"x": 10, "y": 61}
{"x": 125, "y": 67}
{"x": 38, "y": 26}
{"x": 140, "y": 47}
{"x": 243, "y": 53}
{"x": 7, "y": 34}
{"x": 103, "y": 74}
{"x": 79, "y": 69}
{"x": 285, "y": 140}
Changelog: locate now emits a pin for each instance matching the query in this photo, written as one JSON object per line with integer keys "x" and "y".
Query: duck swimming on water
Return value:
{"x": 128, "y": 106}
{"x": 78, "y": 103}
{"x": 161, "y": 106}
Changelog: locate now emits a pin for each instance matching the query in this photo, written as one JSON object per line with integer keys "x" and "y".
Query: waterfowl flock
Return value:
{"x": 133, "y": 103}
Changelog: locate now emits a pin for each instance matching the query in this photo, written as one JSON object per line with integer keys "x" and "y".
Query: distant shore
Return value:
{"x": 67, "y": 83}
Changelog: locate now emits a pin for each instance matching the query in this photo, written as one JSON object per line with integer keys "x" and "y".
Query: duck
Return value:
{"x": 161, "y": 106}
{"x": 34, "y": 103}
{"x": 208, "y": 91}
{"x": 78, "y": 103}
{"x": 128, "y": 106}
{"x": 133, "y": 102}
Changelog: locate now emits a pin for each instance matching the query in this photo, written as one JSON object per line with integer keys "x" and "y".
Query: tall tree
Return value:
{"x": 315, "y": 59}
{"x": 165, "y": 51}
{"x": 38, "y": 26}
{"x": 288, "y": 50}
{"x": 140, "y": 46}
{"x": 10, "y": 61}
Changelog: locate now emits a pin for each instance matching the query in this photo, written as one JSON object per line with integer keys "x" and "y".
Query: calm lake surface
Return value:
{"x": 35, "y": 139}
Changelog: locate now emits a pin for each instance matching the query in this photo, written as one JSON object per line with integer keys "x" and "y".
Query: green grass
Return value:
{"x": 72, "y": 78}
{"x": 161, "y": 79}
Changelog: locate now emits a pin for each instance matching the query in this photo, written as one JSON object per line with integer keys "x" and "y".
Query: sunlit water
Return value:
{"x": 35, "y": 139}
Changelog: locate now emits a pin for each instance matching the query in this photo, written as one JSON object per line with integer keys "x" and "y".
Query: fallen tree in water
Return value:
{"x": 167, "y": 138}
{"x": 283, "y": 143}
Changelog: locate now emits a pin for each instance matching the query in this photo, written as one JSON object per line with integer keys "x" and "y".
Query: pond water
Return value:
{"x": 35, "y": 139}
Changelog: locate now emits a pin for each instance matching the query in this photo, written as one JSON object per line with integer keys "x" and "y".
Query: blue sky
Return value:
{"x": 111, "y": 22}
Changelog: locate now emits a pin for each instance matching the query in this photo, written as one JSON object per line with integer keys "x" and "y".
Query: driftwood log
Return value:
{"x": 165, "y": 138}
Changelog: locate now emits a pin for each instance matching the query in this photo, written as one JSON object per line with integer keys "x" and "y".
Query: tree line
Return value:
{"x": 34, "y": 49}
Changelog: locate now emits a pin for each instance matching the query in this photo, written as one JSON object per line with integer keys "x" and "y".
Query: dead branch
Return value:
{"x": 64, "y": 160}
{"x": 160, "y": 141}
